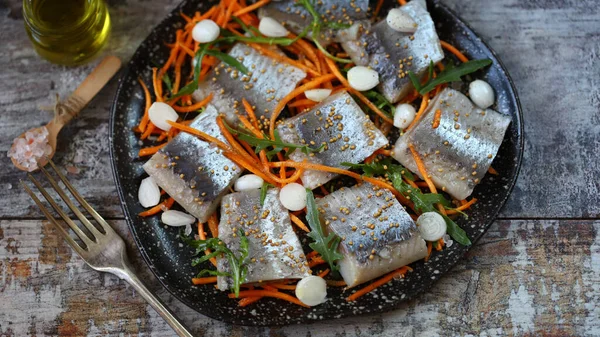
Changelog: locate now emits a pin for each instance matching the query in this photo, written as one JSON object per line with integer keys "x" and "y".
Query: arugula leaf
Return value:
{"x": 278, "y": 145}
{"x": 167, "y": 80}
{"x": 228, "y": 59}
{"x": 237, "y": 264}
{"x": 450, "y": 74}
{"x": 381, "y": 168}
{"x": 263, "y": 192}
{"x": 380, "y": 101}
{"x": 425, "y": 202}
{"x": 326, "y": 246}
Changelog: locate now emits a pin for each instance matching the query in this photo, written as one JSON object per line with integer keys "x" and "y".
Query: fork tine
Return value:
{"x": 50, "y": 218}
{"x": 105, "y": 226}
{"x": 95, "y": 232}
{"x": 60, "y": 212}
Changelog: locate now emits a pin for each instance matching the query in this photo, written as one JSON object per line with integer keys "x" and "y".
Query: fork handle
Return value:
{"x": 156, "y": 303}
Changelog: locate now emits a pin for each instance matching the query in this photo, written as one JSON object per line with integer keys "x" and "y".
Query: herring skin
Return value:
{"x": 193, "y": 172}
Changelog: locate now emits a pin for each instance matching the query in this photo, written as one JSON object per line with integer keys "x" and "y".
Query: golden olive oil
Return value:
{"x": 68, "y": 32}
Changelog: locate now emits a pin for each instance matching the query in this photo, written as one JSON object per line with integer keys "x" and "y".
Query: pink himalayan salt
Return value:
{"x": 28, "y": 150}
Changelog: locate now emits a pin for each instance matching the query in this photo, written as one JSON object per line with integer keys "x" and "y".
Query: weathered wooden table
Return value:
{"x": 535, "y": 272}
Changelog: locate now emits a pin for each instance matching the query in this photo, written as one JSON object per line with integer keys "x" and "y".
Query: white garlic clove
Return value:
{"x": 404, "y": 115}
{"x": 362, "y": 78}
{"x": 400, "y": 21}
{"x": 312, "y": 290}
{"x": 293, "y": 197}
{"x": 317, "y": 95}
{"x": 176, "y": 218}
{"x": 272, "y": 28}
{"x": 481, "y": 94}
{"x": 149, "y": 193}
{"x": 432, "y": 226}
{"x": 206, "y": 31}
{"x": 248, "y": 182}
{"x": 160, "y": 113}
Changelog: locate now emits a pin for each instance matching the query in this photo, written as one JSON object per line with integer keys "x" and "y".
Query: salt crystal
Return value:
{"x": 28, "y": 150}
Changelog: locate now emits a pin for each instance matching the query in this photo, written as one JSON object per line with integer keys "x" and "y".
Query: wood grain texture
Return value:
{"x": 525, "y": 277}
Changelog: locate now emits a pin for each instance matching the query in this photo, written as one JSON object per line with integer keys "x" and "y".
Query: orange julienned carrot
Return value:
{"x": 462, "y": 207}
{"x": 147, "y": 151}
{"x": 204, "y": 280}
{"x": 299, "y": 90}
{"x": 250, "y": 8}
{"x": 387, "y": 278}
{"x": 202, "y": 236}
{"x": 148, "y": 102}
{"x": 454, "y": 51}
{"x": 422, "y": 108}
{"x": 299, "y": 223}
{"x": 195, "y": 106}
{"x": 154, "y": 210}
{"x": 213, "y": 225}
{"x": 437, "y": 118}
{"x": 266, "y": 293}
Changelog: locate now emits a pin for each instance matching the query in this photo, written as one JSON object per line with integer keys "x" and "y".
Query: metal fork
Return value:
{"x": 102, "y": 250}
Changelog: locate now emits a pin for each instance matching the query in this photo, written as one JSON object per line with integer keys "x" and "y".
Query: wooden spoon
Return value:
{"x": 67, "y": 110}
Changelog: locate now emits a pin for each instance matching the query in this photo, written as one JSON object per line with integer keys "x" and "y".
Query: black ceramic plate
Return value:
{"x": 170, "y": 260}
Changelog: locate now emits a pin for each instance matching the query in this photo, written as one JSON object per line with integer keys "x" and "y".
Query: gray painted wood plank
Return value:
{"x": 523, "y": 277}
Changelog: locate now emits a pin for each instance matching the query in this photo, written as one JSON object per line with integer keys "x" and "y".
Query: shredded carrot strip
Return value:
{"x": 228, "y": 13}
{"x": 377, "y": 9}
{"x": 150, "y": 150}
{"x": 266, "y": 293}
{"x": 301, "y": 102}
{"x": 158, "y": 208}
{"x": 334, "y": 69}
{"x": 310, "y": 85}
{"x": 204, "y": 280}
{"x": 200, "y": 134}
{"x": 324, "y": 273}
{"x": 248, "y": 300}
{"x": 202, "y": 236}
{"x": 299, "y": 223}
{"x": 387, "y": 278}
{"x": 335, "y": 283}
{"x": 173, "y": 53}
{"x": 311, "y": 254}
{"x": 454, "y": 51}
{"x": 194, "y": 107}
{"x": 268, "y": 287}
{"x": 157, "y": 85}
{"x": 318, "y": 167}
{"x": 316, "y": 261}
{"x": 422, "y": 170}
{"x": 186, "y": 49}
{"x": 323, "y": 190}
{"x": 294, "y": 177}
{"x": 439, "y": 244}
{"x": 462, "y": 207}
{"x": 422, "y": 108}
{"x": 402, "y": 2}
{"x": 283, "y": 286}
{"x": 250, "y": 112}
{"x": 283, "y": 58}
{"x": 251, "y": 8}
{"x": 436, "y": 119}
{"x": 491, "y": 170}
{"x": 148, "y": 100}
{"x": 213, "y": 225}
{"x": 149, "y": 130}
{"x": 429, "y": 249}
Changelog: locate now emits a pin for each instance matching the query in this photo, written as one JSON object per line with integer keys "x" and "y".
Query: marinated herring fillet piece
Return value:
{"x": 266, "y": 83}
{"x": 459, "y": 152}
{"x": 274, "y": 249}
{"x": 393, "y": 54}
{"x": 340, "y": 124}
{"x": 378, "y": 235}
{"x": 193, "y": 172}
{"x": 296, "y": 18}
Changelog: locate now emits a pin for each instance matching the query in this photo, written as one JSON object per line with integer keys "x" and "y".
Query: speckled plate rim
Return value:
{"x": 518, "y": 115}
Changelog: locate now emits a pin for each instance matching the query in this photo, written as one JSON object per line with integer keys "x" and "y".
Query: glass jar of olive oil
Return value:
{"x": 68, "y": 32}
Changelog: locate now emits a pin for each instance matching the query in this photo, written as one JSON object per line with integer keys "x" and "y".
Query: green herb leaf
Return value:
{"x": 237, "y": 263}
{"x": 228, "y": 59}
{"x": 381, "y": 168}
{"x": 326, "y": 246}
{"x": 263, "y": 192}
{"x": 380, "y": 101}
{"x": 167, "y": 80}
{"x": 425, "y": 202}
{"x": 277, "y": 145}
{"x": 450, "y": 74}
